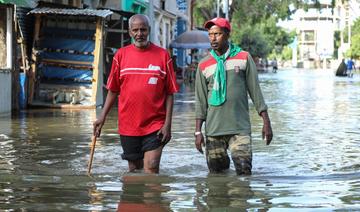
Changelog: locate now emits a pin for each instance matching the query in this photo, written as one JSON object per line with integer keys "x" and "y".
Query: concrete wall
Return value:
{"x": 6, "y": 61}
{"x": 170, "y": 5}
{"x": 5, "y": 94}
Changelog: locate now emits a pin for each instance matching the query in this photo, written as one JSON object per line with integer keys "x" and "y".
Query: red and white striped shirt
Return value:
{"x": 144, "y": 78}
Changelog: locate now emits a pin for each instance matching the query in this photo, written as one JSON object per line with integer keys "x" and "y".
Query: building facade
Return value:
{"x": 316, "y": 28}
{"x": 183, "y": 24}
{"x": 315, "y": 33}
{"x": 347, "y": 13}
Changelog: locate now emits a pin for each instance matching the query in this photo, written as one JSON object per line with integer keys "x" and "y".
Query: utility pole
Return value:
{"x": 192, "y": 4}
{"x": 152, "y": 20}
{"x": 349, "y": 32}
{"x": 226, "y": 9}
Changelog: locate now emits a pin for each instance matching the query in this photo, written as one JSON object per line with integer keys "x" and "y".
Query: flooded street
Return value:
{"x": 312, "y": 164}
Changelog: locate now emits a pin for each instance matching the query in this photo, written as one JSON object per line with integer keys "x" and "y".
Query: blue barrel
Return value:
{"x": 22, "y": 94}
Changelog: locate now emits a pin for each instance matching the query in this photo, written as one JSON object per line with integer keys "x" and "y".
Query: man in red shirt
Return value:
{"x": 142, "y": 77}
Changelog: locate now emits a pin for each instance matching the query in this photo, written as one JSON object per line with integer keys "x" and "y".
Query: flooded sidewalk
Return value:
{"x": 311, "y": 165}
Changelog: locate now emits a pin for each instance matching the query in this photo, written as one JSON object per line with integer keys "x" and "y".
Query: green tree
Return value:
{"x": 355, "y": 29}
{"x": 265, "y": 35}
{"x": 354, "y": 50}
{"x": 253, "y": 23}
{"x": 203, "y": 11}
{"x": 252, "y": 40}
{"x": 336, "y": 43}
{"x": 286, "y": 53}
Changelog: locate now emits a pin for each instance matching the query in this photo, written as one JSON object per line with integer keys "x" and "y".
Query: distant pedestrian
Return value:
{"x": 142, "y": 78}
{"x": 350, "y": 65}
{"x": 223, "y": 82}
{"x": 341, "y": 70}
{"x": 274, "y": 65}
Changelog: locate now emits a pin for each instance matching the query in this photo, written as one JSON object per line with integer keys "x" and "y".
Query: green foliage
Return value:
{"x": 262, "y": 38}
{"x": 255, "y": 11}
{"x": 246, "y": 11}
{"x": 203, "y": 10}
{"x": 253, "y": 23}
{"x": 336, "y": 43}
{"x": 286, "y": 53}
{"x": 355, "y": 29}
{"x": 253, "y": 41}
{"x": 354, "y": 50}
{"x": 345, "y": 35}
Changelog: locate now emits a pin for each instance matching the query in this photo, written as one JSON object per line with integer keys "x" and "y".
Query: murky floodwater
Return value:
{"x": 313, "y": 163}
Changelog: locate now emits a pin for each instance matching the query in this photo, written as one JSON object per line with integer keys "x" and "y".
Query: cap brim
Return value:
{"x": 208, "y": 24}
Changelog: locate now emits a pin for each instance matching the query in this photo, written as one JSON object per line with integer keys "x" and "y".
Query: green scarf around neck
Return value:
{"x": 218, "y": 95}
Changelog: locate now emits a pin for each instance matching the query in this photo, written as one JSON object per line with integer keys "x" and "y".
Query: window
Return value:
{"x": 162, "y": 4}
{"x": 309, "y": 35}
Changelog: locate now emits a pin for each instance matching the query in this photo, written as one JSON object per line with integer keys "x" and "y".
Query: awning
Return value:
{"x": 74, "y": 12}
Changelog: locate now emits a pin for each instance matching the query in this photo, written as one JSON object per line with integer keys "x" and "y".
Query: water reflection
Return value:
{"x": 144, "y": 193}
{"x": 223, "y": 193}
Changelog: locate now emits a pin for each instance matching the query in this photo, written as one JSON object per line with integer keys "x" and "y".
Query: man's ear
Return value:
{"x": 149, "y": 33}
{"x": 228, "y": 34}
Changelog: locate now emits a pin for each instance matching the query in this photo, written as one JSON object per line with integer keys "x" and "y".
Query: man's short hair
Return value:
{"x": 144, "y": 17}
{"x": 226, "y": 30}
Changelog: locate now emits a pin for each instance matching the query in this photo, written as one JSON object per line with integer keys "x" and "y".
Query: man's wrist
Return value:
{"x": 197, "y": 133}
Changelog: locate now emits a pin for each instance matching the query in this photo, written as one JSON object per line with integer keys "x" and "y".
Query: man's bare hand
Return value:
{"x": 267, "y": 133}
{"x": 199, "y": 142}
{"x": 97, "y": 125}
{"x": 164, "y": 134}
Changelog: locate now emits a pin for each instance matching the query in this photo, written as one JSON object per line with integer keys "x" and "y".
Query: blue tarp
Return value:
{"x": 67, "y": 56}
{"x": 22, "y": 94}
{"x": 68, "y": 44}
{"x": 51, "y": 31}
{"x": 53, "y": 72}
{"x": 77, "y": 40}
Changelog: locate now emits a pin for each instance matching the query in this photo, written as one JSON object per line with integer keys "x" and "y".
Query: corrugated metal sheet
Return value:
{"x": 76, "y": 12}
{"x": 26, "y": 23}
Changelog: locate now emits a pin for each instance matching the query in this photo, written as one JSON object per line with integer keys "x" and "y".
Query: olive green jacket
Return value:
{"x": 232, "y": 117}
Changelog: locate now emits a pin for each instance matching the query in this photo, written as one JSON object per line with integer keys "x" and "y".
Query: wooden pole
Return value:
{"x": 98, "y": 40}
{"x": 32, "y": 73}
{"x": 92, "y": 150}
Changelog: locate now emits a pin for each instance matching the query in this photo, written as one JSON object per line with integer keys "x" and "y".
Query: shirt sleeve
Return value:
{"x": 171, "y": 84}
{"x": 201, "y": 93}
{"x": 113, "y": 82}
{"x": 253, "y": 85}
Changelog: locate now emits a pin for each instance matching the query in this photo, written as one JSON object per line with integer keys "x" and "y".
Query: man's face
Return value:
{"x": 218, "y": 38}
{"x": 139, "y": 31}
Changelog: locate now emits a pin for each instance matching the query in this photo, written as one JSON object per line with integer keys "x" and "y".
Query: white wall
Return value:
{"x": 170, "y": 5}
{"x": 165, "y": 22}
{"x": 325, "y": 39}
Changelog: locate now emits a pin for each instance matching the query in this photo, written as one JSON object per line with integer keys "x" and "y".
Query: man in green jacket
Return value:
{"x": 223, "y": 81}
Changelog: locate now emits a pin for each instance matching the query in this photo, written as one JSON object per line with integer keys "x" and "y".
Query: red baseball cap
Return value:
{"x": 220, "y": 22}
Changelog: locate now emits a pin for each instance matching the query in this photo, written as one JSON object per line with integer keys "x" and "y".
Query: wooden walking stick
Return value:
{"x": 92, "y": 150}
